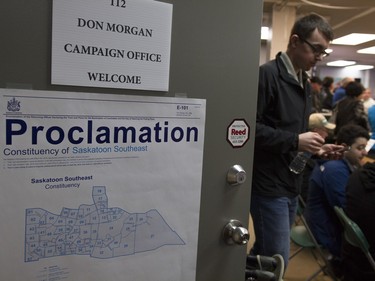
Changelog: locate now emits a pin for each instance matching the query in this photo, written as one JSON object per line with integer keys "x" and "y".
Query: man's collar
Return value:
{"x": 290, "y": 68}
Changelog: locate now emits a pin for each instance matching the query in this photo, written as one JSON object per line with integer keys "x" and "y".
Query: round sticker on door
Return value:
{"x": 238, "y": 133}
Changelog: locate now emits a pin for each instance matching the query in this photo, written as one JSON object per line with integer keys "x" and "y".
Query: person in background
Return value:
{"x": 319, "y": 124}
{"x": 327, "y": 188}
{"x": 367, "y": 99}
{"x": 283, "y": 109}
{"x": 350, "y": 110}
{"x": 360, "y": 207}
{"x": 371, "y": 120}
{"x": 328, "y": 87}
{"x": 316, "y": 94}
{"x": 340, "y": 91}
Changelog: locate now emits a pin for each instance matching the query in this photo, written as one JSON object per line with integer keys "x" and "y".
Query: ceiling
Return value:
{"x": 345, "y": 17}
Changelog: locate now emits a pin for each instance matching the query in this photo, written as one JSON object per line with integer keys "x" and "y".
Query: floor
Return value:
{"x": 301, "y": 266}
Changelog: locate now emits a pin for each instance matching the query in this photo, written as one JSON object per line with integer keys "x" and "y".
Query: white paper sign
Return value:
{"x": 99, "y": 187}
{"x": 111, "y": 43}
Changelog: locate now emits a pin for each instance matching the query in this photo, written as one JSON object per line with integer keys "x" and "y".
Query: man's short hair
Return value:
{"x": 349, "y": 133}
{"x": 306, "y": 25}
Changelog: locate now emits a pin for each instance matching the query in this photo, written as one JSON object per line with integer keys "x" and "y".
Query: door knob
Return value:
{"x": 236, "y": 175}
{"x": 235, "y": 233}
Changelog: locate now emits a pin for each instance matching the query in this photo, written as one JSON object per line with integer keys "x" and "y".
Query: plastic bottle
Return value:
{"x": 299, "y": 162}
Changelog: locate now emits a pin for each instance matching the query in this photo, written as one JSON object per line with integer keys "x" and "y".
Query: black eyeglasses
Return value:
{"x": 316, "y": 50}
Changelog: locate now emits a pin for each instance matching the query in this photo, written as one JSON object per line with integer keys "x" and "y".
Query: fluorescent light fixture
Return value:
{"x": 370, "y": 50}
{"x": 359, "y": 67}
{"x": 340, "y": 63}
{"x": 328, "y": 51}
{"x": 265, "y": 33}
{"x": 354, "y": 39}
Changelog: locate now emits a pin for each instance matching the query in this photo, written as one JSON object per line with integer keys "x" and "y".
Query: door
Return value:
{"x": 214, "y": 56}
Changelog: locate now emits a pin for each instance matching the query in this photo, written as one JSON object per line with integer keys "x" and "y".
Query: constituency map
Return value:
{"x": 95, "y": 230}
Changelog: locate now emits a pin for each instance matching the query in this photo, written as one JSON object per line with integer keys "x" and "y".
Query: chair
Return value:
{"x": 302, "y": 236}
{"x": 264, "y": 268}
{"x": 300, "y": 208}
{"x": 354, "y": 235}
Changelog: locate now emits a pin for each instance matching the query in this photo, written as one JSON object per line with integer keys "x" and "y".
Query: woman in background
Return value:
{"x": 328, "y": 87}
{"x": 350, "y": 110}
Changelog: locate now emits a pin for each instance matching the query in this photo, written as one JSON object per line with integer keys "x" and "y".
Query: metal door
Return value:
{"x": 214, "y": 56}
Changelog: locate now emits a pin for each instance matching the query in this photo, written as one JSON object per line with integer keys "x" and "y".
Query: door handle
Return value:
{"x": 236, "y": 175}
{"x": 235, "y": 233}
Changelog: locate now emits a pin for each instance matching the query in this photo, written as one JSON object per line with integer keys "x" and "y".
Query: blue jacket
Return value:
{"x": 283, "y": 110}
{"x": 326, "y": 190}
{"x": 338, "y": 95}
{"x": 371, "y": 119}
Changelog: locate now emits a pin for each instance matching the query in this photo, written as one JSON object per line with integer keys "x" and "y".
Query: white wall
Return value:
{"x": 263, "y": 52}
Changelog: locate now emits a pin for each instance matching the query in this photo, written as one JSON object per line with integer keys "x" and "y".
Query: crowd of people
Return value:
{"x": 347, "y": 103}
{"x": 327, "y": 183}
{"x": 331, "y": 123}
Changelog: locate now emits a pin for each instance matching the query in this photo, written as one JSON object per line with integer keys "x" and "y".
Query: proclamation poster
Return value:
{"x": 99, "y": 186}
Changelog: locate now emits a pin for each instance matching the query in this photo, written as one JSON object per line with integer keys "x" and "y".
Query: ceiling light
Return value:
{"x": 340, "y": 63}
{"x": 354, "y": 39}
{"x": 265, "y": 33}
{"x": 359, "y": 67}
{"x": 370, "y": 50}
{"x": 328, "y": 51}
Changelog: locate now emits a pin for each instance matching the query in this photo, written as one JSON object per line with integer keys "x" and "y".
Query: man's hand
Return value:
{"x": 331, "y": 151}
{"x": 310, "y": 142}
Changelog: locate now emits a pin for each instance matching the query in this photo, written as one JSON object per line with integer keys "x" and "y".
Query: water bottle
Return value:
{"x": 299, "y": 162}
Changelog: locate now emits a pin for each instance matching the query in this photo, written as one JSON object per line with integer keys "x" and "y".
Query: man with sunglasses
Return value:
{"x": 284, "y": 106}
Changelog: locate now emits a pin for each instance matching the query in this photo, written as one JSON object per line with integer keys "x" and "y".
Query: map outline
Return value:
{"x": 95, "y": 230}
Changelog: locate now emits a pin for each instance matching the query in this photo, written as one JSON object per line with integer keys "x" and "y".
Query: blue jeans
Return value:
{"x": 273, "y": 218}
